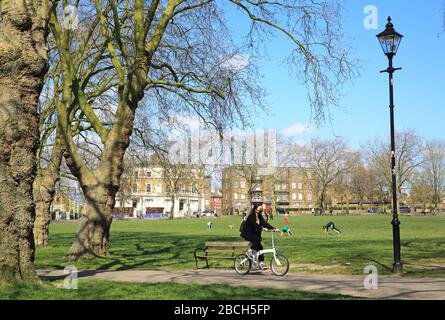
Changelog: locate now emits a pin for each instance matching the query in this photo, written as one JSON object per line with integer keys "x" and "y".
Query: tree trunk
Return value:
{"x": 44, "y": 188}
{"x": 23, "y": 64}
{"x": 172, "y": 208}
{"x": 92, "y": 238}
{"x": 100, "y": 188}
{"x": 42, "y": 221}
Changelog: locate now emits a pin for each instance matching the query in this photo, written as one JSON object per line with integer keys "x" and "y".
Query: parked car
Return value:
{"x": 375, "y": 210}
{"x": 206, "y": 214}
{"x": 404, "y": 209}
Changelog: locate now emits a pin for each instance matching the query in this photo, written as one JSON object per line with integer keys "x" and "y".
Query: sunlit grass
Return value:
{"x": 169, "y": 244}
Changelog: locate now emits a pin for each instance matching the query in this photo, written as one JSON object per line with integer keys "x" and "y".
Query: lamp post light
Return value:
{"x": 390, "y": 41}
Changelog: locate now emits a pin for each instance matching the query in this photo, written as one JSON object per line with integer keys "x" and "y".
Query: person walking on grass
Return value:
{"x": 286, "y": 219}
{"x": 252, "y": 228}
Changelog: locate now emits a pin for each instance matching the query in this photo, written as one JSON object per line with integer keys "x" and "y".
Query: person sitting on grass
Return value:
{"x": 286, "y": 229}
{"x": 330, "y": 226}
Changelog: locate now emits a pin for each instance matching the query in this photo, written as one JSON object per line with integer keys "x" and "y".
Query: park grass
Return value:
{"x": 169, "y": 244}
{"x": 110, "y": 290}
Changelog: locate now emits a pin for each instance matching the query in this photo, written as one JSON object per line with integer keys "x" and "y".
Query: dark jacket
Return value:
{"x": 252, "y": 229}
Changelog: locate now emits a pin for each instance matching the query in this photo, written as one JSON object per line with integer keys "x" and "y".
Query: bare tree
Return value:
{"x": 328, "y": 160}
{"x": 408, "y": 158}
{"x": 44, "y": 188}
{"x": 177, "y": 53}
{"x": 432, "y": 171}
{"x": 359, "y": 179}
{"x": 420, "y": 195}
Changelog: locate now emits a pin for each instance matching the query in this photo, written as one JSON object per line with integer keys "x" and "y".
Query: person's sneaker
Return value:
{"x": 263, "y": 266}
{"x": 252, "y": 253}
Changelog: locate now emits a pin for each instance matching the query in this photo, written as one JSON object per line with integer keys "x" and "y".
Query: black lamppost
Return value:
{"x": 390, "y": 41}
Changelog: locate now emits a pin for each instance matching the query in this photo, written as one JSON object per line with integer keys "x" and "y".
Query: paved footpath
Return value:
{"x": 389, "y": 287}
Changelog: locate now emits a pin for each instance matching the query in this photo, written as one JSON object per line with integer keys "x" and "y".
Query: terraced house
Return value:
{"x": 180, "y": 190}
{"x": 281, "y": 188}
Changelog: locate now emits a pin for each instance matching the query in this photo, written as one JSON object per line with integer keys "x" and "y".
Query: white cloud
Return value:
{"x": 297, "y": 129}
{"x": 236, "y": 62}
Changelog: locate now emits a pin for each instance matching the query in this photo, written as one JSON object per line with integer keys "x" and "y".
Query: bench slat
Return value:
{"x": 234, "y": 251}
{"x": 215, "y": 257}
{"x": 226, "y": 244}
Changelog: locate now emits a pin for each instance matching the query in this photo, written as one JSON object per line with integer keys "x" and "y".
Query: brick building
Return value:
{"x": 283, "y": 188}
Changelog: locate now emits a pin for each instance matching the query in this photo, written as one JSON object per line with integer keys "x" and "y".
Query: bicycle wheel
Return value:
{"x": 242, "y": 264}
{"x": 279, "y": 265}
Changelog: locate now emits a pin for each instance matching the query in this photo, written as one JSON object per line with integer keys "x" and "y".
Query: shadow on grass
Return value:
{"x": 169, "y": 251}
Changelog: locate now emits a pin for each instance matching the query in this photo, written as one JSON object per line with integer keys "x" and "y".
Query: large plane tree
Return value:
{"x": 179, "y": 56}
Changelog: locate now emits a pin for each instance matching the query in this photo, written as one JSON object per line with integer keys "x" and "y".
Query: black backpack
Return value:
{"x": 241, "y": 227}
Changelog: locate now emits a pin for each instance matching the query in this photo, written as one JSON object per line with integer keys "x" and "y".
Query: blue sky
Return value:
{"x": 419, "y": 86}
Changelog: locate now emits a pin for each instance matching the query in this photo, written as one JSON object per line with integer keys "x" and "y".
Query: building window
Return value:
{"x": 294, "y": 185}
{"x": 182, "y": 188}
{"x": 309, "y": 197}
{"x": 243, "y": 196}
{"x": 242, "y": 184}
{"x": 283, "y": 186}
{"x": 135, "y": 187}
{"x": 284, "y": 197}
{"x": 148, "y": 201}
{"x": 235, "y": 196}
{"x": 148, "y": 173}
{"x": 148, "y": 188}
{"x": 300, "y": 196}
{"x": 300, "y": 185}
{"x": 294, "y": 196}
{"x": 194, "y": 189}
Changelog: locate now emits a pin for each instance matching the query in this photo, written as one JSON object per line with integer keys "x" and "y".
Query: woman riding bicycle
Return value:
{"x": 252, "y": 228}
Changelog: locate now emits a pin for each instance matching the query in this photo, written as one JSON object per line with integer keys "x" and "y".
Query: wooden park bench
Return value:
{"x": 220, "y": 250}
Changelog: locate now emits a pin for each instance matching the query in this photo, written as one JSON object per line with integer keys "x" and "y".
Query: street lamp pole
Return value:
{"x": 390, "y": 41}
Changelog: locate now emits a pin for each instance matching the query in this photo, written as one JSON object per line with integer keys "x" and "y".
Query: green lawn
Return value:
{"x": 169, "y": 244}
{"x": 109, "y": 290}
